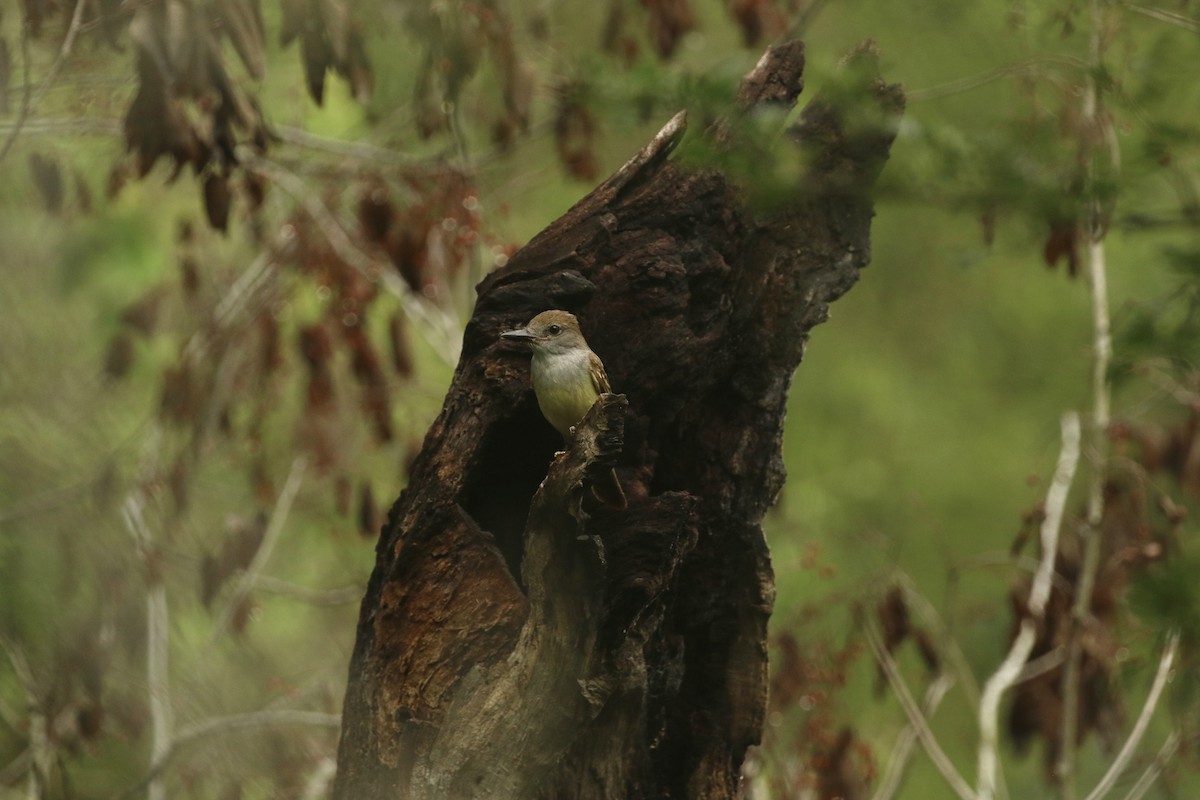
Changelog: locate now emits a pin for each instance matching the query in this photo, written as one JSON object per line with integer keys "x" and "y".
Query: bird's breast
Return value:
{"x": 564, "y": 388}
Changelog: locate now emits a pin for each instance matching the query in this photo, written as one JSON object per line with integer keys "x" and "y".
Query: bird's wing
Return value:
{"x": 599, "y": 377}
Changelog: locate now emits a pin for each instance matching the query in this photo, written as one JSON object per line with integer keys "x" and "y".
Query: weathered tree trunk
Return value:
{"x": 517, "y": 642}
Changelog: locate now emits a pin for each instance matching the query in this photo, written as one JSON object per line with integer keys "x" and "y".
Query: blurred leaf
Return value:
{"x": 47, "y": 176}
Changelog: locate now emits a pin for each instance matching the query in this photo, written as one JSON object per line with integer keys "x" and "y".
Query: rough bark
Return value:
{"x": 515, "y": 641}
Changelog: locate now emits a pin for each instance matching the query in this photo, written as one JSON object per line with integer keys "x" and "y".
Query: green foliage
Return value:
{"x": 924, "y": 419}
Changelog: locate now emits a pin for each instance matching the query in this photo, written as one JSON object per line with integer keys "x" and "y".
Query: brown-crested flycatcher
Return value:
{"x": 567, "y": 379}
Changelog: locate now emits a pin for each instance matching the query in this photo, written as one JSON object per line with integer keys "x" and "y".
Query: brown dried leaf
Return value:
{"x": 241, "y": 20}
{"x": 255, "y": 186}
{"x": 316, "y": 346}
{"x": 217, "y": 197}
{"x": 574, "y": 136}
{"x": 243, "y": 614}
{"x": 260, "y": 481}
{"x": 89, "y": 718}
{"x": 668, "y": 21}
{"x": 83, "y": 192}
{"x": 1064, "y": 241}
{"x": 142, "y": 314}
{"x": 429, "y": 116}
{"x": 368, "y": 512}
{"x": 343, "y": 495}
{"x": 189, "y": 275}
{"x": 616, "y": 39}
{"x": 375, "y": 211}
{"x": 356, "y": 67}
{"x": 758, "y": 20}
{"x": 177, "y": 480}
{"x": 316, "y": 56}
{"x": 177, "y": 403}
{"x": 839, "y": 775}
{"x": 271, "y": 353}
{"x": 119, "y": 357}
{"x": 47, "y": 177}
{"x": 402, "y": 356}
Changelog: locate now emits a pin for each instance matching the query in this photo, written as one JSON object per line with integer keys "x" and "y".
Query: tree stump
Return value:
{"x": 516, "y": 640}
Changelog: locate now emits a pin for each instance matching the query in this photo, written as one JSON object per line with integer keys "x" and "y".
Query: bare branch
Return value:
{"x": 26, "y": 96}
{"x": 904, "y": 748}
{"x": 317, "y": 597}
{"x": 1162, "y": 15}
{"x": 1029, "y": 66}
{"x": 64, "y": 53}
{"x": 220, "y": 725}
{"x": 1139, "y": 728}
{"x": 1147, "y": 779}
{"x": 360, "y": 151}
{"x": 81, "y": 126}
{"x": 946, "y": 641}
{"x": 158, "y": 633}
{"x": 1010, "y": 669}
{"x": 30, "y": 99}
{"x": 1098, "y": 432}
{"x": 916, "y": 719}
{"x": 11, "y": 772}
{"x": 246, "y": 580}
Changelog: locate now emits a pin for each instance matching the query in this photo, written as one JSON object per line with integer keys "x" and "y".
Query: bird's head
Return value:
{"x": 550, "y": 332}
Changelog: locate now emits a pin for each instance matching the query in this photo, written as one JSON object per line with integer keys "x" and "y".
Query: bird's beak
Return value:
{"x": 519, "y": 335}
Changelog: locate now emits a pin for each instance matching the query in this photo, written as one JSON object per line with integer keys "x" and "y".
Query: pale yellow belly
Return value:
{"x": 564, "y": 395}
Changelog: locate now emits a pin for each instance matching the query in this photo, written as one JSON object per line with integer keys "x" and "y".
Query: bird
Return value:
{"x": 567, "y": 379}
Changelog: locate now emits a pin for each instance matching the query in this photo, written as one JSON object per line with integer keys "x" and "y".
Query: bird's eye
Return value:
{"x": 554, "y": 330}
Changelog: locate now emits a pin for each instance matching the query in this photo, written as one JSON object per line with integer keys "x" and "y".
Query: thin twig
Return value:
{"x": 901, "y": 752}
{"x": 915, "y": 718}
{"x": 317, "y": 597}
{"x": 245, "y": 581}
{"x": 1028, "y": 66}
{"x": 1147, "y": 778}
{"x": 63, "y": 127}
{"x": 946, "y": 641}
{"x": 40, "y": 751}
{"x": 157, "y": 639}
{"x": 13, "y": 770}
{"x": 475, "y": 263}
{"x": 26, "y": 95}
{"x": 30, "y": 99}
{"x": 1010, "y": 669}
{"x": 221, "y": 725}
{"x": 1042, "y": 664}
{"x": 360, "y": 151}
{"x": 64, "y": 53}
{"x": 1169, "y": 17}
{"x": 1006, "y": 559}
{"x": 1139, "y": 728}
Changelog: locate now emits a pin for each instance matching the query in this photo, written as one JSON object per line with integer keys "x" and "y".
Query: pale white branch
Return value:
{"x": 916, "y": 719}
{"x": 246, "y": 580}
{"x": 902, "y": 751}
{"x": 1147, "y": 778}
{"x": 1018, "y": 654}
{"x": 1163, "y": 15}
{"x": 1139, "y": 728}
{"x": 157, "y": 639}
